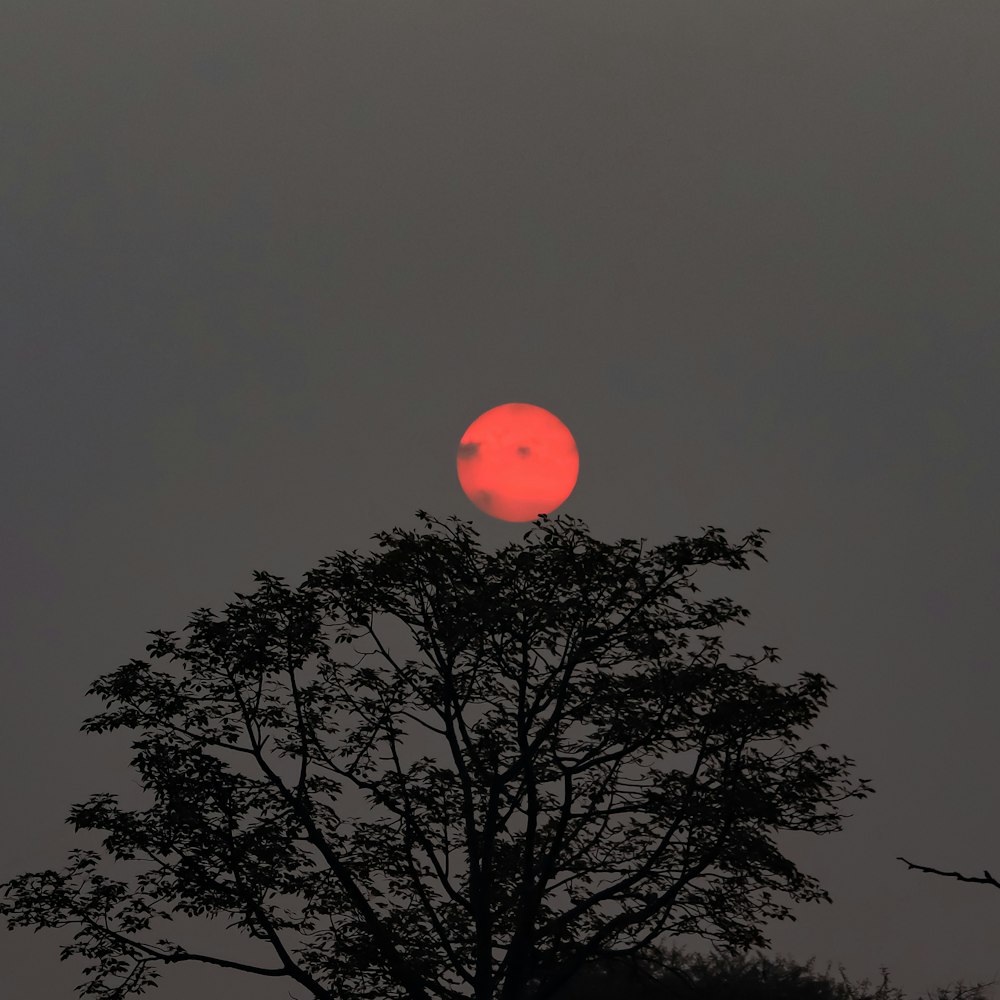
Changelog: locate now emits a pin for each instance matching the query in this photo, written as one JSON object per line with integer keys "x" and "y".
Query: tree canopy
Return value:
{"x": 432, "y": 771}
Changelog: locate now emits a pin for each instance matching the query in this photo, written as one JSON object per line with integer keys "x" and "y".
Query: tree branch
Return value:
{"x": 410, "y": 981}
{"x": 988, "y": 880}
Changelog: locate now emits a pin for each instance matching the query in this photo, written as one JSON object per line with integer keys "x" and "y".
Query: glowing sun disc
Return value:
{"x": 517, "y": 461}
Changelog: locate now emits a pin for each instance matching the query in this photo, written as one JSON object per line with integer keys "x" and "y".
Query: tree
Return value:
{"x": 587, "y": 775}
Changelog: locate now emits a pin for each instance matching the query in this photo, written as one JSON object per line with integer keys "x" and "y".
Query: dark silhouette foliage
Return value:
{"x": 673, "y": 975}
{"x": 589, "y": 773}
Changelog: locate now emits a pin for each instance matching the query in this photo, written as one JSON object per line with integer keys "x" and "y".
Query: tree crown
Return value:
{"x": 567, "y": 769}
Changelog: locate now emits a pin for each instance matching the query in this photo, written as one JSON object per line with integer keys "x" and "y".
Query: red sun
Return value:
{"x": 517, "y": 461}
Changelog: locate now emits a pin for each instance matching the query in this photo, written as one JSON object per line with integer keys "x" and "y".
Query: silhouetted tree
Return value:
{"x": 589, "y": 774}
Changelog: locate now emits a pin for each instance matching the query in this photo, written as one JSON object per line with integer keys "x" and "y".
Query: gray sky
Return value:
{"x": 263, "y": 263}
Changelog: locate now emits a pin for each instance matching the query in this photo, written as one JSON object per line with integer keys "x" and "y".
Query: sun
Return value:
{"x": 517, "y": 461}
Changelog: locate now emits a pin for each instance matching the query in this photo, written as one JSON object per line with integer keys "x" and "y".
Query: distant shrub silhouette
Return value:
{"x": 675, "y": 975}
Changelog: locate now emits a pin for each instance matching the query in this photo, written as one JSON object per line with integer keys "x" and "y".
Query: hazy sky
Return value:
{"x": 262, "y": 264}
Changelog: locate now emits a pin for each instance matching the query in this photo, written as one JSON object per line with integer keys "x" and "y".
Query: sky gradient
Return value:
{"x": 262, "y": 264}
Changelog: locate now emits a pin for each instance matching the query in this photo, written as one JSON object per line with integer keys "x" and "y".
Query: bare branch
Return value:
{"x": 988, "y": 879}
